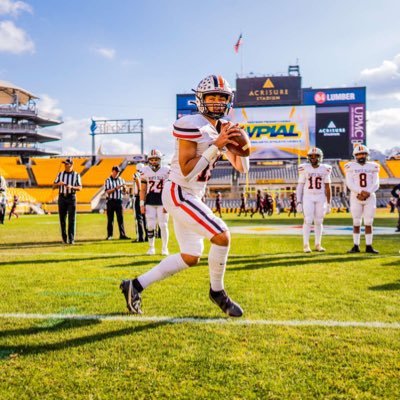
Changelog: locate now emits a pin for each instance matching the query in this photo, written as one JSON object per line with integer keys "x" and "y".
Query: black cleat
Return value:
{"x": 132, "y": 297}
{"x": 354, "y": 249}
{"x": 370, "y": 249}
{"x": 223, "y": 301}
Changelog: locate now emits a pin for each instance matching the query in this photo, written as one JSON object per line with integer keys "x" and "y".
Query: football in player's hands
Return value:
{"x": 243, "y": 142}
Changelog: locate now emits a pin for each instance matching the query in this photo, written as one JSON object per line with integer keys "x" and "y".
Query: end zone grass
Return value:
{"x": 58, "y": 358}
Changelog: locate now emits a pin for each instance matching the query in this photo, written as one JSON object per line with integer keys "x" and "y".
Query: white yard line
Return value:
{"x": 189, "y": 320}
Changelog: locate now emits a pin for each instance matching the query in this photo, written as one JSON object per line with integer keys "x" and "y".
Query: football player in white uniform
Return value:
{"x": 152, "y": 180}
{"x": 200, "y": 140}
{"x": 314, "y": 196}
{"x": 362, "y": 179}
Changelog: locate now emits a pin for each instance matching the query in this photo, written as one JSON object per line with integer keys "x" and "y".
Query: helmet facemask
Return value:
{"x": 314, "y": 160}
{"x": 361, "y": 158}
{"x": 154, "y": 163}
{"x": 214, "y": 85}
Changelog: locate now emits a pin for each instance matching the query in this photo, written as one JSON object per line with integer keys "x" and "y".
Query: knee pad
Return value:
{"x": 357, "y": 222}
{"x": 318, "y": 221}
{"x": 150, "y": 233}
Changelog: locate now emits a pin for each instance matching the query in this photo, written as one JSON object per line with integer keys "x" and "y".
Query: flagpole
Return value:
{"x": 241, "y": 62}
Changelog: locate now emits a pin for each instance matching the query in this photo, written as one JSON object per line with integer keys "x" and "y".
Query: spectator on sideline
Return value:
{"x": 293, "y": 204}
{"x": 115, "y": 189}
{"x": 396, "y": 194}
{"x": 218, "y": 201}
{"x": 243, "y": 205}
{"x": 259, "y": 205}
{"x": 68, "y": 183}
{"x": 14, "y": 207}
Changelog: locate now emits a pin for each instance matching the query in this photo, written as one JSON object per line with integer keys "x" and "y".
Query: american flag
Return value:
{"x": 238, "y": 43}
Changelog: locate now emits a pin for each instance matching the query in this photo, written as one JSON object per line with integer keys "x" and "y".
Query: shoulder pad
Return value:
{"x": 187, "y": 127}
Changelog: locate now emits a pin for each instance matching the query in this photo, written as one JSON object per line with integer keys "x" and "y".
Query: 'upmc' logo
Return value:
{"x": 320, "y": 97}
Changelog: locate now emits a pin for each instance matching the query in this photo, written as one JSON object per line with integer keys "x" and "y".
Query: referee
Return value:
{"x": 68, "y": 183}
{"x": 115, "y": 189}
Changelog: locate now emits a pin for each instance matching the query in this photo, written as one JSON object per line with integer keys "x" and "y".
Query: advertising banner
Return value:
{"x": 332, "y": 135}
{"x": 337, "y": 96}
{"x": 184, "y": 104}
{"x": 268, "y": 91}
{"x": 278, "y": 132}
{"x": 357, "y": 125}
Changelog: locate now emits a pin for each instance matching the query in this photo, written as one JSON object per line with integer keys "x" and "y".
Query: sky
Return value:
{"x": 129, "y": 58}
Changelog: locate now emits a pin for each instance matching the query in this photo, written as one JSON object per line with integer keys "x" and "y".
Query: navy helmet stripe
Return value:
{"x": 215, "y": 81}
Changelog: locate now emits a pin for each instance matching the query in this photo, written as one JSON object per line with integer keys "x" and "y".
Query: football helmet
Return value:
{"x": 361, "y": 153}
{"x": 154, "y": 159}
{"x": 213, "y": 84}
{"x": 315, "y": 160}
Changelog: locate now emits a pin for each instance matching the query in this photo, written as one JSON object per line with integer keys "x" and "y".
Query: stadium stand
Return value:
{"x": 45, "y": 170}
{"x": 394, "y": 167}
{"x": 13, "y": 169}
{"x": 128, "y": 172}
{"x": 43, "y": 195}
{"x": 97, "y": 174}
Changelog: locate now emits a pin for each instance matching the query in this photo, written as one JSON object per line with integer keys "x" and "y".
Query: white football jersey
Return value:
{"x": 155, "y": 183}
{"x": 314, "y": 179}
{"x": 362, "y": 177}
{"x": 195, "y": 128}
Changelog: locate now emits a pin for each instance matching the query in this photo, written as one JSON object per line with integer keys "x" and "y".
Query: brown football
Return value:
{"x": 243, "y": 141}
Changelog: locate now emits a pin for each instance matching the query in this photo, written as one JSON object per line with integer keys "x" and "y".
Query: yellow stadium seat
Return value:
{"x": 394, "y": 166}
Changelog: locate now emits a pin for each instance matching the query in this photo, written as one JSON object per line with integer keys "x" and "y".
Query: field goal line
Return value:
{"x": 209, "y": 321}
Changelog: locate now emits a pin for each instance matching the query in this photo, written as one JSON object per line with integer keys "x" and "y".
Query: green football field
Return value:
{"x": 316, "y": 326}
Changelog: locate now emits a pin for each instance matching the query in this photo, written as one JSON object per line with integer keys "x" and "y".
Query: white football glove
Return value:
{"x": 328, "y": 209}
{"x": 299, "y": 207}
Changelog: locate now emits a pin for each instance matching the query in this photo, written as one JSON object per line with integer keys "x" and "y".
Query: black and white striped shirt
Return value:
{"x": 69, "y": 178}
{"x": 111, "y": 183}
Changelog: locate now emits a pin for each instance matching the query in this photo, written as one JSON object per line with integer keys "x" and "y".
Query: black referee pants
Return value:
{"x": 115, "y": 206}
{"x": 67, "y": 207}
{"x": 141, "y": 233}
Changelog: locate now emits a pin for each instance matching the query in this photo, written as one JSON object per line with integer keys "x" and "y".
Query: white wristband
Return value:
{"x": 210, "y": 153}
{"x": 141, "y": 203}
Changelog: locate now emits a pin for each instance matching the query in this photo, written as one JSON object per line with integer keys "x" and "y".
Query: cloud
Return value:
{"x": 383, "y": 128}
{"x": 9, "y": 7}
{"x": 14, "y": 40}
{"x": 106, "y": 52}
{"x": 383, "y": 81}
{"x": 48, "y": 106}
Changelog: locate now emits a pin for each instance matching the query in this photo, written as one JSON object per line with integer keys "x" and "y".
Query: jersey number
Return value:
{"x": 363, "y": 180}
{"x": 205, "y": 175}
{"x": 153, "y": 188}
{"x": 317, "y": 184}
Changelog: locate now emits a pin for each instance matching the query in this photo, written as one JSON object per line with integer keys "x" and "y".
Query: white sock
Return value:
{"x": 306, "y": 233}
{"x": 318, "y": 233}
{"x": 168, "y": 266}
{"x": 151, "y": 242}
{"x": 356, "y": 238}
{"x": 164, "y": 236}
{"x": 368, "y": 239}
{"x": 217, "y": 258}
